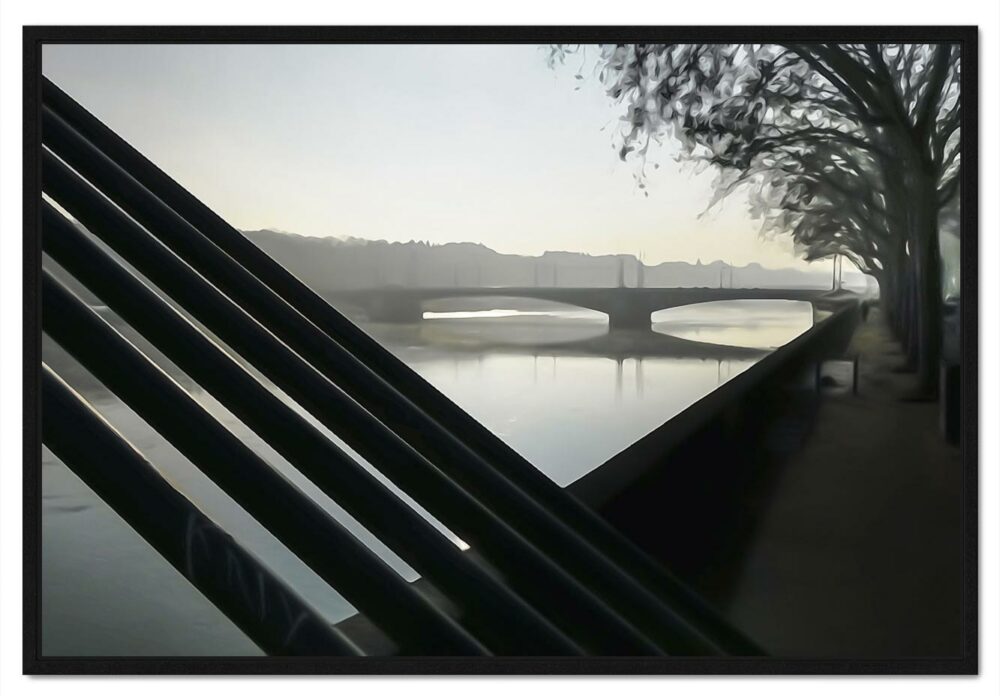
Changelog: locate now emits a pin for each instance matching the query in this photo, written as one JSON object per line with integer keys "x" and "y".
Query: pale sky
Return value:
{"x": 439, "y": 143}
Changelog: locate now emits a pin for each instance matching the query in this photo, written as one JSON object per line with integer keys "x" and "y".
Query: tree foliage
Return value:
{"x": 851, "y": 149}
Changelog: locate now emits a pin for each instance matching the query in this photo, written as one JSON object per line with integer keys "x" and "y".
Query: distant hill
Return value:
{"x": 327, "y": 263}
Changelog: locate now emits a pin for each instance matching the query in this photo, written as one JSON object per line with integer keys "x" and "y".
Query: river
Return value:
{"x": 546, "y": 379}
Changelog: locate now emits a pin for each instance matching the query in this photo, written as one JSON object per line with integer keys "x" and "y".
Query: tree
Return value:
{"x": 852, "y": 149}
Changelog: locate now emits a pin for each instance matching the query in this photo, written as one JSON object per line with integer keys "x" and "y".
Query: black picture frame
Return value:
{"x": 34, "y": 37}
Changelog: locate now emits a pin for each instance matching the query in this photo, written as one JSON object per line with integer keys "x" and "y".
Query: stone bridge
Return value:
{"x": 627, "y": 308}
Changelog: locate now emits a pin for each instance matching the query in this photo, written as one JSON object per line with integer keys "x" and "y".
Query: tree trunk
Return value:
{"x": 912, "y": 342}
{"x": 895, "y": 276}
{"x": 906, "y": 310}
{"x": 888, "y": 291}
{"x": 927, "y": 264}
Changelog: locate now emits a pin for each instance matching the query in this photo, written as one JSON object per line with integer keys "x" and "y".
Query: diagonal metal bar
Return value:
{"x": 559, "y": 543}
{"x": 303, "y": 526}
{"x": 262, "y": 605}
{"x": 376, "y": 357}
{"x": 532, "y": 574}
{"x": 506, "y": 623}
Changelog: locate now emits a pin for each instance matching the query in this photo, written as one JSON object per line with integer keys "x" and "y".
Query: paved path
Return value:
{"x": 858, "y": 552}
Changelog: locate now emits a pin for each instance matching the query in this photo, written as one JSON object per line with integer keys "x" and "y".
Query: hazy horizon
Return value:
{"x": 453, "y": 143}
{"x": 817, "y": 268}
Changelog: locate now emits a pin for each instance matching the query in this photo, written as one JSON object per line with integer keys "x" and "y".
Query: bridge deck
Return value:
{"x": 627, "y": 308}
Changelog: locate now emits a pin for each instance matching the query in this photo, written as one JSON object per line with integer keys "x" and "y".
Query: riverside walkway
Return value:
{"x": 858, "y": 552}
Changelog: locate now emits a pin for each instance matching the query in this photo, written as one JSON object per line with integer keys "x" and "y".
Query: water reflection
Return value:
{"x": 555, "y": 385}
{"x": 604, "y": 390}
{"x": 569, "y": 414}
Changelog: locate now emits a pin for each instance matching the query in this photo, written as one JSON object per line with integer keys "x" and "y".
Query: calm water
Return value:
{"x": 545, "y": 380}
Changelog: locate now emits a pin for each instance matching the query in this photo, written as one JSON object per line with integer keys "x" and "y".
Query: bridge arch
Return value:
{"x": 756, "y": 323}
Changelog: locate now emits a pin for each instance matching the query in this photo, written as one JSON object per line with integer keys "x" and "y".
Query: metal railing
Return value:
{"x": 261, "y": 604}
{"x": 548, "y": 577}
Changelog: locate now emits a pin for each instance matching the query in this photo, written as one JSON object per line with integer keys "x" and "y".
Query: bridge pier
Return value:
{"x": 630, "y": 317}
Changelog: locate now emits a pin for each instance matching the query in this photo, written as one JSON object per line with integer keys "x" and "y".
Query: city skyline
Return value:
{"x": 444, "y": 144}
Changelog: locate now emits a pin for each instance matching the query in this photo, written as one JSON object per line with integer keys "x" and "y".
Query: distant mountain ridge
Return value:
{"x": 329, "y": 264}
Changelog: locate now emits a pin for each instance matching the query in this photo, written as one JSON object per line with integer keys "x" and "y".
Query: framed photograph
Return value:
{"x": 500, "y": 350}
